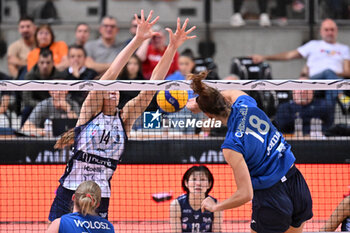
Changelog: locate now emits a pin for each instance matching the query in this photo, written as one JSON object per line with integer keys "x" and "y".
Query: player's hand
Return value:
{"x": 66, "y": 139}
{"x": 144, "y": 26}
{"x": 257, "y": 58}
{"x": 193, "y": 106}
{"x": 181, "y": 35}
{"x": 208, "y": 204}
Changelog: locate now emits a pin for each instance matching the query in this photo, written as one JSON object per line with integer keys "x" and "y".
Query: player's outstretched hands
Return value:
{"x": 181, "y": 35}
{"x": 144, "y": 26}
{"x": 208, "y": 204}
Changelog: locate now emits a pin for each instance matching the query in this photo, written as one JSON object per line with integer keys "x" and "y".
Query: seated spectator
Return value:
{"x": 82, "y": 34}
{"x": 341, "y": 215}
{"x": 8, "y": 117}
{"x": 101, "y": 52}
{"x": 18, "y": 51}
{"x": 326, "y": 58}
{"x": 131, "y": 71}
{"x": 78, "y": 71}
{"x": 237, "y": 20}
{"x": 186, "y": 66}
{"x": 305, "y": 106}
{"x": 43, "y": 70}
{"x": 59, "y": 105}
{"x": 152, "y": 50}
{"x": 45, "y": 38}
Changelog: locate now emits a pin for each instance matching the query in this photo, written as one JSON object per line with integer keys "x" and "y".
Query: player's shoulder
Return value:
{"x": 182, "y": 197}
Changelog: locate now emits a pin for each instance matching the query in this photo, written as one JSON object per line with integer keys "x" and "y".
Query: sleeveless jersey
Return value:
{"x": 251, "y": 133}
{"x": 77, "y": 223}
{"x": 98, "y": 146}
{"x": 346, "y": 224}
{"x": 194, "y": 220}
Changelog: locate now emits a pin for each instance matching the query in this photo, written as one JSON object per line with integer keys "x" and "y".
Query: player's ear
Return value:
{"x": 186, "y": 183}
{"x": 73, "y": 197}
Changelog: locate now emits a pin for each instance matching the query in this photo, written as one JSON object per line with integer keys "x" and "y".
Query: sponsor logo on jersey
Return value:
{"x": 207, "y": 220}
{"x": 92, "y": 225}
{"x": 185, "y": 219}
{"x": 273, "y": 142}
{"x": 196, "y": 216}
{"x": 187, "y": 211}
{"x": 93, "y": 169}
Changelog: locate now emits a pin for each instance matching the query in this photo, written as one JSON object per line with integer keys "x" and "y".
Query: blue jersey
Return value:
{"x": 77, "y": 223}
{"x": 346, "y": 224}
{"x": 251, "y": 133}
{"x": 194, "y": 220}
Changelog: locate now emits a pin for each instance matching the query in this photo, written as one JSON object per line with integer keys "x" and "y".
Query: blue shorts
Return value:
{"x": 287, "y": 203}
{"x": 63, "y": 204}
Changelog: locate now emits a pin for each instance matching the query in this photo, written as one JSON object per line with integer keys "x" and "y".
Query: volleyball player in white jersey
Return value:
{"x": 102, "y": 130}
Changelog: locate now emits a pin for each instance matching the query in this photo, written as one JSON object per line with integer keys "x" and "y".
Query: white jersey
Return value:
{"x": 98, "y": 146}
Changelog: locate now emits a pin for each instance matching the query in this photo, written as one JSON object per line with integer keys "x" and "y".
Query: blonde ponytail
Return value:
{"x": 87, "y": 197}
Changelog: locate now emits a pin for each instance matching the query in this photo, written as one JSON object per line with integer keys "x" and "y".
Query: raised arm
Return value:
{"x": 94, "y": 101}
{"x": 134, "y": 108}
{"x": 143, "y": 32}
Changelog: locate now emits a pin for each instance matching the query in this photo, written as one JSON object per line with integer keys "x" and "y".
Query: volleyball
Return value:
{"x": 172, "y": 101}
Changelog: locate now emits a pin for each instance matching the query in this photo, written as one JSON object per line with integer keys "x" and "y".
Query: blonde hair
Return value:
{"x": 87, "y": 197}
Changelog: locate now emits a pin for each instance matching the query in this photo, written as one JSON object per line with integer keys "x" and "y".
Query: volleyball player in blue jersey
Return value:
{"x": 86, "y": 198}
{"x": 102, "y": 129}
{"x": 185, "y": 211}
{"x": 261, "y": 160}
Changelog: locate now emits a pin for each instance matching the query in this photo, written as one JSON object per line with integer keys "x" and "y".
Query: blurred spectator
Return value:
{"x": 18, "y": 51}
{"x": 131, "y": 71}
{"x": 43, "y": 70}
{"x": 281, "y": 10}
{"x": 45, "y": 38}
{"x": 82, "y": 34}
{"x": 8, "y": 117}
{"x": 306, "y": 107}
{"x": 186, "y": 66}
{"x": 341, "y": 215}
{"x": 326, "y": 59}
{"x": 59, "y": 105}
{"x": 101, "y": 52}
{"x": 152, "y": 50}
{"x": 237, "y": 20}
{"x": 78, "y": 71}
{"x": 132, "y": 29}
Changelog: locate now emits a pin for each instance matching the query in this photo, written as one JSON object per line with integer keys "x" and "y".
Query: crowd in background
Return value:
{"x": 36, "y": 55}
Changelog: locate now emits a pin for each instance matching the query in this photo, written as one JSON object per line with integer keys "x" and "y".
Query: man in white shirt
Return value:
{"x": 326, "y": 59}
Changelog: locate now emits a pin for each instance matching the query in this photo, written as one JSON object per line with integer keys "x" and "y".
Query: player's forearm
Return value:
{"x": 121, "y": 60}
{"x": 164, "y": 64}
{"x": 142, "y": 50}
{"x": 237, "y": 199}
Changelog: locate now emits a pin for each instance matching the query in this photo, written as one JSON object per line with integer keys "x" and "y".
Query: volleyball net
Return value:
{"x": 164, "y": 140}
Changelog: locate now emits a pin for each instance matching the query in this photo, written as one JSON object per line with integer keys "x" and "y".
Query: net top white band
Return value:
{"x": 246, "y": 85}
